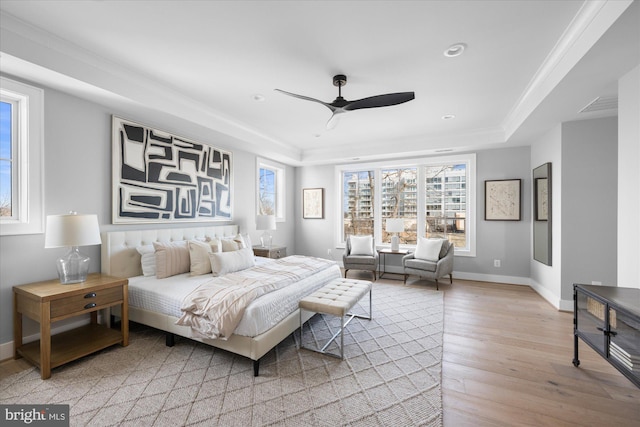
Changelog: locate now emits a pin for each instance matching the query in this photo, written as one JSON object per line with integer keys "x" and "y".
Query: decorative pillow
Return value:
{"x": 229, "y": 244}
{"x": 147, "y": 259}
{"x": 199, "y": 256}
{"x": 428, "y": 249}
{"x": 171, "y": 258}
{"x": 361, "y": 245}
{"x": 243, "y": 240}
{"x": 228, "y": 262}
{"x": 215, "y": 244}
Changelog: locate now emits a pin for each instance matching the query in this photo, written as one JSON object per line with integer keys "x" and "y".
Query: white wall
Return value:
{"x": 78, "y": 177}
{"x": 505, "y": 240}
{"x": 629, "y": 179}
{"x": 589, "y": 206}
{"x": 545, "y": 279}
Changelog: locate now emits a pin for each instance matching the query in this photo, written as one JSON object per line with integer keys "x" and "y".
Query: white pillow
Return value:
{"x": 361, "y": 245}
{"x": 147, "y": 260}
{"x": 171, "y": 258}
{"x": 229, "y": 244}
{"x": 228, "y": 262}
{"x": 199, "y": 255}
{"x": 428, "y": 249}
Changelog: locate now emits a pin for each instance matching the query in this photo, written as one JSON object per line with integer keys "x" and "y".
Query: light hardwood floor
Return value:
{"x": 507, "y": 362}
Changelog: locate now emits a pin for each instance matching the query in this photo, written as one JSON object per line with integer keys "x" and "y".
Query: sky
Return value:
{"x": 5, "y": 150}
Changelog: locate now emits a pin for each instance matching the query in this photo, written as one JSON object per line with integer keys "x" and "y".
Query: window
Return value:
{"x": 434, "y": 197}
{"x": 357, "y": 207}
{"x": 399, "y": 200}
{"x": 271, "y": 190}
{"x": 446, "y": 207}
{"x": 21, "y": 154}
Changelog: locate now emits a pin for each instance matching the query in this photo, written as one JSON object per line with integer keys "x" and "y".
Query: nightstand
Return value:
{"x": 272, "y": 252}
{"x": 50, "y": 301}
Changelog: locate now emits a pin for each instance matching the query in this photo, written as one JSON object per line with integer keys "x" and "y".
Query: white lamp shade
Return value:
{"x": 72, "y": 230}
{"x": 395, "y": 225}
{"x": 266, "y": 222}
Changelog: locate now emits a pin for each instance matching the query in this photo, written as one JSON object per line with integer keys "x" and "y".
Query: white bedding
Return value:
{"x": 166, "y": 295}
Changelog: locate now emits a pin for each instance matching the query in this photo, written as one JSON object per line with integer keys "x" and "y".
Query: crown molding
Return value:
{"x": 592, "y": 20}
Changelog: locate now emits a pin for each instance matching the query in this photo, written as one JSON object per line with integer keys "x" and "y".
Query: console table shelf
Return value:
{"x": 608, "y": 319}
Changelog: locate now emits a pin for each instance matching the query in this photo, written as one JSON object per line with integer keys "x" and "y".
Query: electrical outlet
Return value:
{"x": 595, "y": 282}
{"x": 329, "y": 251}
{"x": 496, "y": 263}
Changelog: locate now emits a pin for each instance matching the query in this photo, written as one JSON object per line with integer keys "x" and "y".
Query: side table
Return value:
{"x": 382, "y": 260}
{"x": 274, "y": 252}
{"x": 50, "y": 301}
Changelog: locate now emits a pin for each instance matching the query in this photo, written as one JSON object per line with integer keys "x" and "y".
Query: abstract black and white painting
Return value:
{"x": 159, "y": 177}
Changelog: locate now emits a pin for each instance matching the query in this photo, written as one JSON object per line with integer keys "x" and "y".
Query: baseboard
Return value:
{"x": 6, "y": 349}
{"x": 494, "y": 278}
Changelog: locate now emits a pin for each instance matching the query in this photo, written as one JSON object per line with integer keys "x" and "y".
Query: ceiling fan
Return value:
{"x": 341, "y": 105}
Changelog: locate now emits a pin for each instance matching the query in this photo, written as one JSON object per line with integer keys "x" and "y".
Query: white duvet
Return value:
{"x": 166, "y": 296}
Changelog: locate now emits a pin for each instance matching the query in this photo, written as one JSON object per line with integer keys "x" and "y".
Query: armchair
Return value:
{"x": 360, "y": 254}
{"x": 433, "y": 270}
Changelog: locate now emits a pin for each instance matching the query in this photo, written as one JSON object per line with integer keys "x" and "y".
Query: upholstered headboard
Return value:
{"x": 121, "y": 259}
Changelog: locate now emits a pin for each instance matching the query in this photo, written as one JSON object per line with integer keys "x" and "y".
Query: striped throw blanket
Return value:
{"x": 214, "y": 309}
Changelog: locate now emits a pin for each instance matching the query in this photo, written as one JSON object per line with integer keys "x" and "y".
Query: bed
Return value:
{"x": 252, "y": 338}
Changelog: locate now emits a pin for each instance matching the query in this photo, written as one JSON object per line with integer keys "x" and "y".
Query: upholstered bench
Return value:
{"x": 336, "y": 298}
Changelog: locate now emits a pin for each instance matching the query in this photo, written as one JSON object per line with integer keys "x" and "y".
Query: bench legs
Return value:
{"x": 340, "y": 332}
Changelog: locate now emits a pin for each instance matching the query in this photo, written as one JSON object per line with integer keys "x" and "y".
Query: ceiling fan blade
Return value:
{"x": 307, "y": 98}
{"x": 335, "y": 118}
{"x": 380, "y": 101}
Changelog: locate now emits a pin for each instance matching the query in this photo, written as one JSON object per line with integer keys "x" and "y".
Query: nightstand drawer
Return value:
{"x": 278, "y": 253}
{"x": 86, "y": 301}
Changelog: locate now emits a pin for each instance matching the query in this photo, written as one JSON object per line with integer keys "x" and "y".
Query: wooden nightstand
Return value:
{"x": 273, "y": 252}
{"x": 50, "y": 301}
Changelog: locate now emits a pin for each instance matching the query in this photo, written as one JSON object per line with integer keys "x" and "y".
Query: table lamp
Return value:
{"x": 395, "y": 225}
{"x": 266, "y": 223}
{"x": 72, "y": 231}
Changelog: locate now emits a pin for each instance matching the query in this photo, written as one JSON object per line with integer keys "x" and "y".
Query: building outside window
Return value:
{"x": 434, "y": 197}
{"x": 357, "y": 205}
{"x": 399, "y": 200}
{"x": 445, "y": 212}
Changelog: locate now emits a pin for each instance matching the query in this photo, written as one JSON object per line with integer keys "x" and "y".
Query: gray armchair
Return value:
{"x": 429, "y": 269}
{"x": 355, "y": 261}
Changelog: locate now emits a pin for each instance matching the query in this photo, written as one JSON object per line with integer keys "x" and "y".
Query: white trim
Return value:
{"x": 29, "y": 158}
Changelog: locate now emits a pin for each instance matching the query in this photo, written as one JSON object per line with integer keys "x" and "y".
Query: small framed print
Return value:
{"x": 313, "y": 203}
{"x": 502, "y": 200}
{"x": 542, "y": 199}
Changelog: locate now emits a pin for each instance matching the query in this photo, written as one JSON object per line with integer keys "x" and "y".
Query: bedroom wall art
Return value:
{"x": 502, "y": 200}
{"x": 160, "y": 177}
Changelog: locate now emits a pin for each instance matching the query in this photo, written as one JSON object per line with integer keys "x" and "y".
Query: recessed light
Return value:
{"x": 448, "y": 117}
{"x": 455, "y": 50}
{"x": 258, "y": 98}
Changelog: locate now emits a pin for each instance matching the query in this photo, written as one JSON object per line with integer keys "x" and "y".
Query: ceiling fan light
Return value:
{"x": 455, "y": 50}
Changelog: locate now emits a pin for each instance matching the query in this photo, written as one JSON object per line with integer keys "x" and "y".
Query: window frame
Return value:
{"x": 280, "y": 186}
{"x": 27, "y": 158}
{"x": 469, "y": 159}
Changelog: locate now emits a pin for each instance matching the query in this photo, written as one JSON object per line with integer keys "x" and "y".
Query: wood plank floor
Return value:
{"x": 507, "y": 362}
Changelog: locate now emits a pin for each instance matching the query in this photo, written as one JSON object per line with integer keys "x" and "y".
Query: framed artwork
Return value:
{"x": 159, "y": 177}
{"x": 502, "y": 200}
{"x": 542, "y": 199}
{"x": 313, "y": 203}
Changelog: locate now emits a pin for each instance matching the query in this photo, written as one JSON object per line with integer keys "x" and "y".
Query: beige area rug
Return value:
{"x": 391, "y": 376}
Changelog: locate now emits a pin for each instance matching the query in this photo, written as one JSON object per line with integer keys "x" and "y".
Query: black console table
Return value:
{"x": 607, "y": 318}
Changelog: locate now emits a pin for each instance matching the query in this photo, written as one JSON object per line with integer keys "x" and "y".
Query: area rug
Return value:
{"x": 391, "y": 376}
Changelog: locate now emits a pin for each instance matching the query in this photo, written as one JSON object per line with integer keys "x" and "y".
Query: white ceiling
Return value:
{"x": 528, "y": 65}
